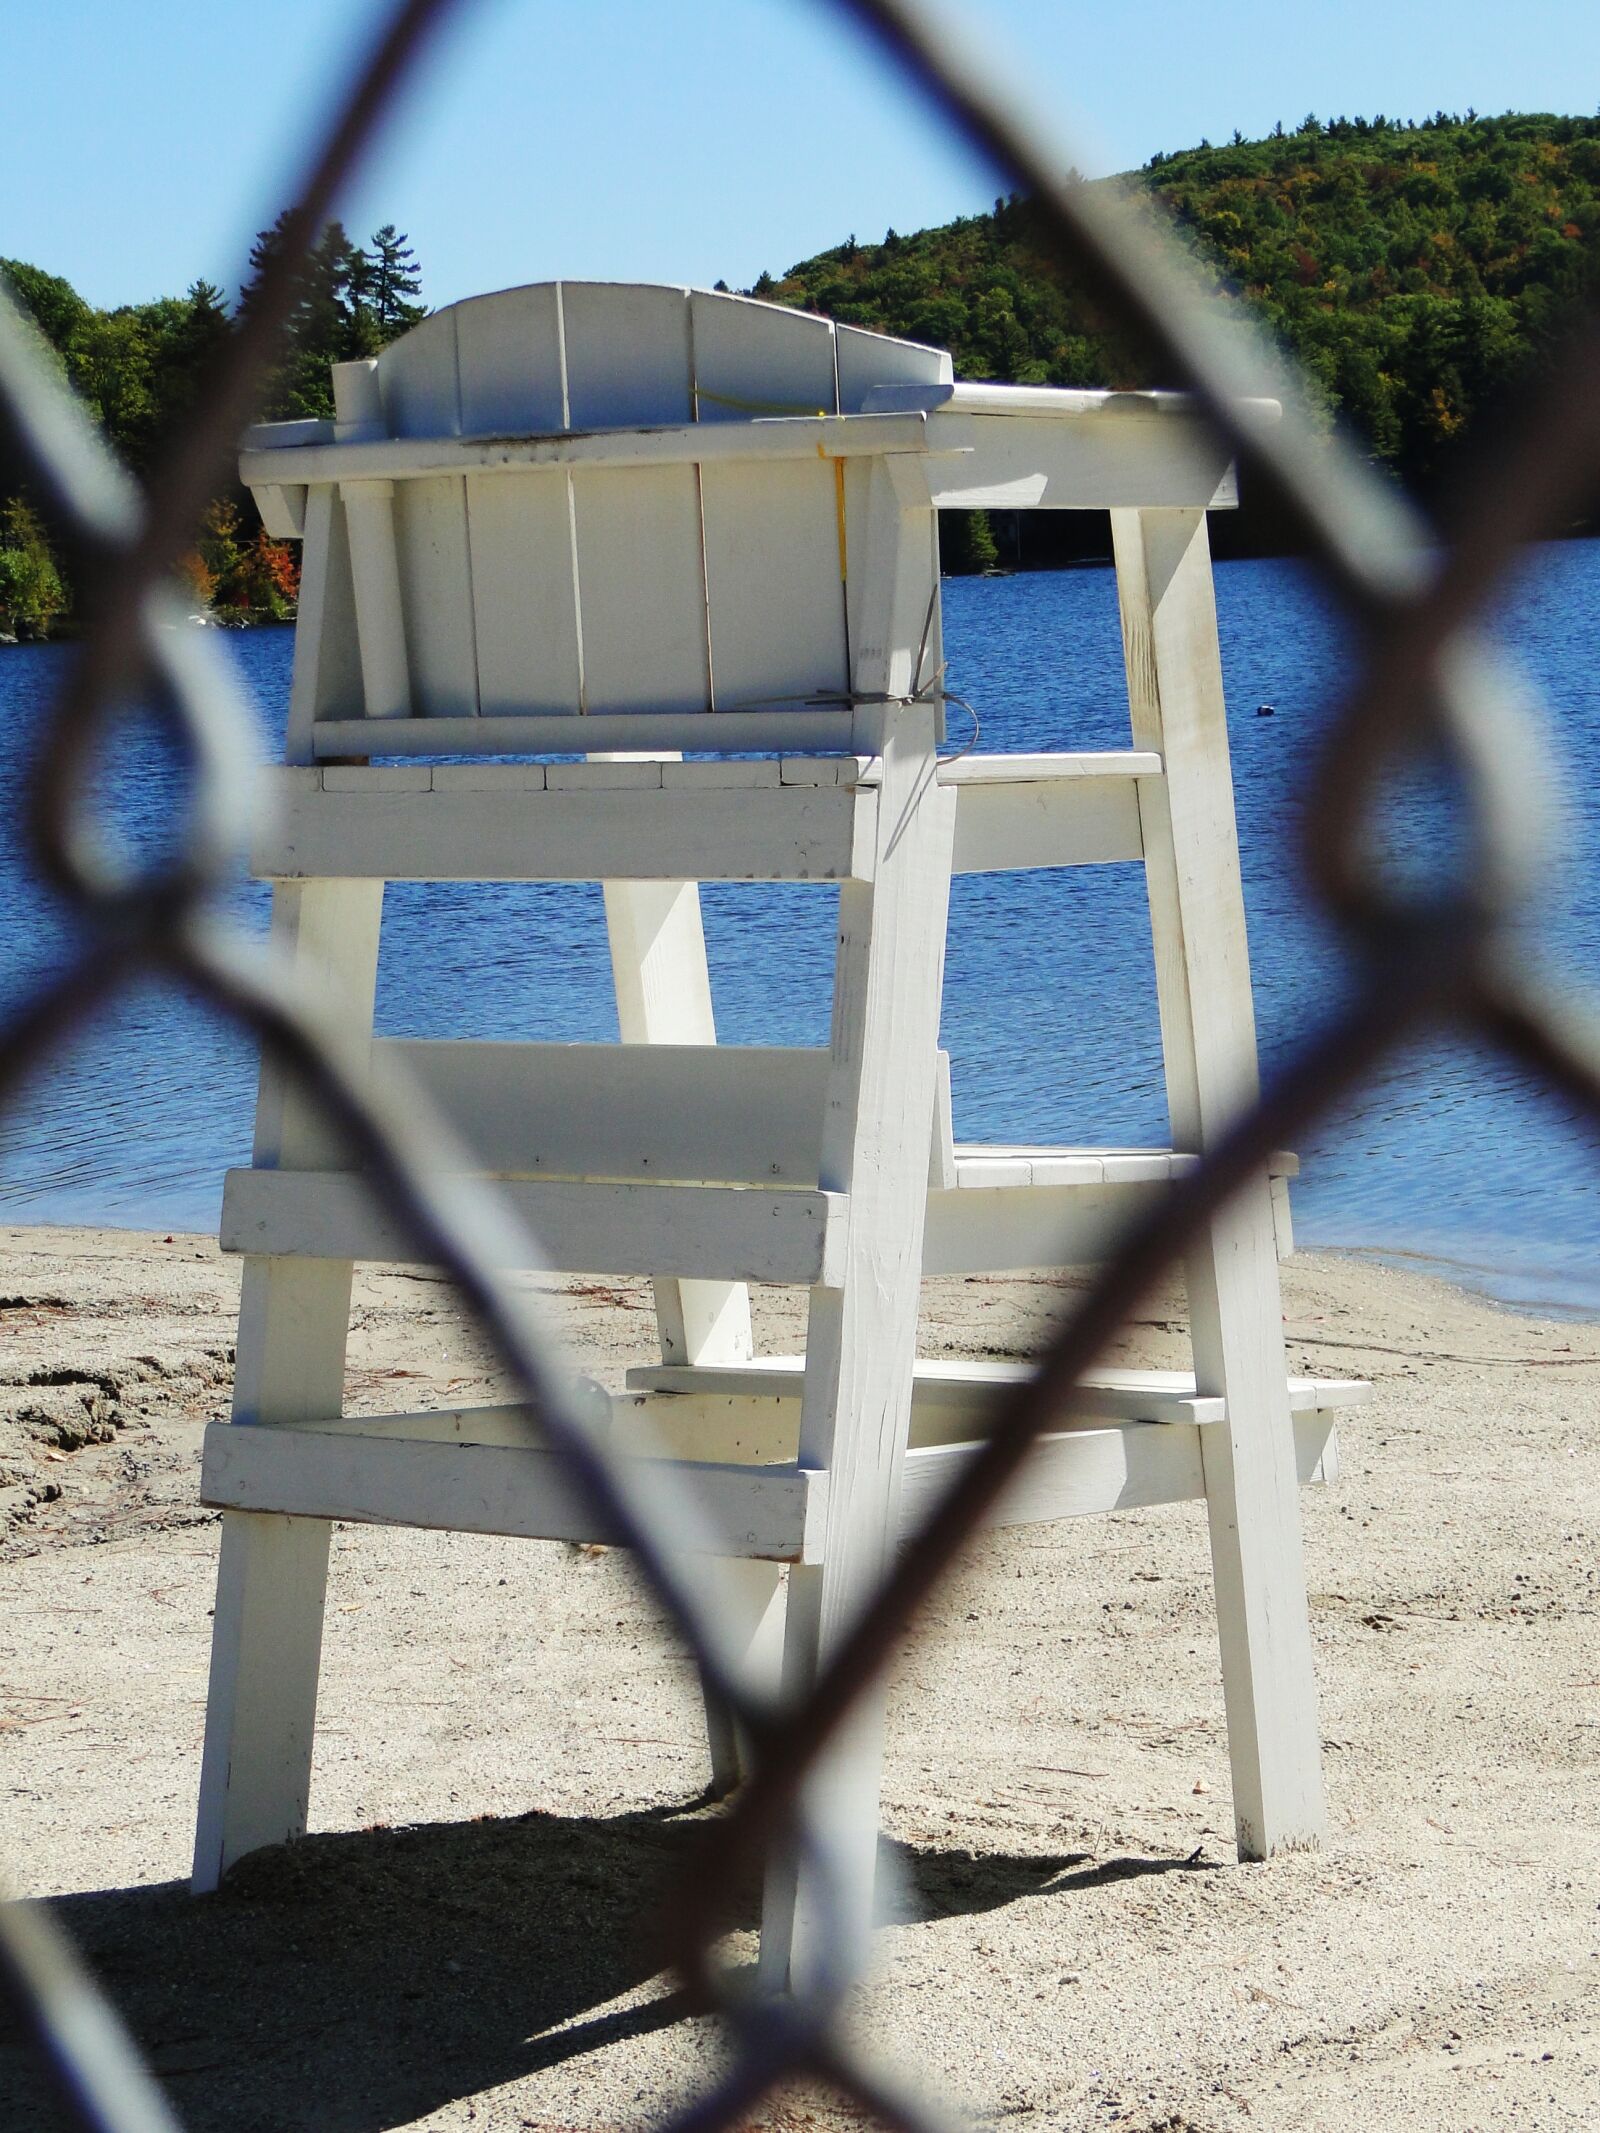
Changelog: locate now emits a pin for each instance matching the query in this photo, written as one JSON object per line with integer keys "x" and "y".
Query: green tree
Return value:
{"x": 967, "y": 547}
{"x": 32, "y": 591}
{"x": 141, "y": 369}
{"x": 190, "y": 334}
{"x": 330, "y": 320}
{"x": 394, "y": 281}
{"x": 55, "y": 307}
{"x": 222, "y": 546}
{"x": 347, "y": 303}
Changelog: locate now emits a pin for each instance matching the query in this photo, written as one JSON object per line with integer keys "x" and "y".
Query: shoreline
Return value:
{"x": 70, "y": 629}
{"x": 1522, "y": 1289}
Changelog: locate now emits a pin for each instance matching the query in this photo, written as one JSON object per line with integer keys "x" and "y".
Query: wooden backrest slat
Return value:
{"x": 524, "y": 593}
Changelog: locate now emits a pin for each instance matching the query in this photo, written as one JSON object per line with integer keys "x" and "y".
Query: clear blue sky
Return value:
{"x": 647, "y": 139}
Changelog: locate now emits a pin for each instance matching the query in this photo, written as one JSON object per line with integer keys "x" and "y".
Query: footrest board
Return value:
{"x": 360, "y": 1472}
{"x": 951, "y": 1397}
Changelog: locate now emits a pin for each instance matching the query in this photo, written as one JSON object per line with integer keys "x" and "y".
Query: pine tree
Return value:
{"x": 187, "y": 335}
{"x": 394, "y": 282}
{"x": 329, "y": 321}
{"x": 967, "y": 546}
{"x": 365, "y": 336}
{"x": 348, "y": 302}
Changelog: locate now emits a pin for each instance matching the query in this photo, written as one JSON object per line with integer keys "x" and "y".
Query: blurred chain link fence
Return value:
{"x": 1426, "y": 686}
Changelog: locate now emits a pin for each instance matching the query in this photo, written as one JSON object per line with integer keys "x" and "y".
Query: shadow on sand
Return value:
{"x": 354, "y": 1983}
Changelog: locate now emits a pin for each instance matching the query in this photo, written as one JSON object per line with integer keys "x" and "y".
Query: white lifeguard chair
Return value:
{"x": 697, "y": 535}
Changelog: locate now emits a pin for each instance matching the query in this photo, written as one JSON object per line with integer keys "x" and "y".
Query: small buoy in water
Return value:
{"x": 1266, "y": 710}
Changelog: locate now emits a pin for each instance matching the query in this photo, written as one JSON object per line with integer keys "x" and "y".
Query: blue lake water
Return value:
{"x": 1049, "y": 1016}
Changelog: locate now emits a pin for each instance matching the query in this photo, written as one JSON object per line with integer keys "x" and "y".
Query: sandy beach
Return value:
{"x": 510, "y": 1760}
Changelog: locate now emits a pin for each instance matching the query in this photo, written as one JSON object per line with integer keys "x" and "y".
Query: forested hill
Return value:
{"x": 1418, "y": 271}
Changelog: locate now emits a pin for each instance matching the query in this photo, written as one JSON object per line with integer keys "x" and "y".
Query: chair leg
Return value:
{"x": 751, "y": 1599}
{"x": 861, "y": 1338}
{"x": 1202, "y": 960}
{"x": 266, "y": 1637}
{"x": 266, "y": 1647}
{"x": 294, "y": 1318}
{"x": 663, "y": 991}
{"x": 1257, "y": 1552}
{"x": 808, "y": 1917}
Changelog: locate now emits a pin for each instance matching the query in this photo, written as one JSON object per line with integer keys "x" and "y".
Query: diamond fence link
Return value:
{"x": 1427, "y": 684}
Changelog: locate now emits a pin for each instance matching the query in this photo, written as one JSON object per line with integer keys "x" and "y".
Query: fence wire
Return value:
{"x": 1427, "y": 684}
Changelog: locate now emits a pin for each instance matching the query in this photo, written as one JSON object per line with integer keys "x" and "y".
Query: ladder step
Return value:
{"x": 397, "y": 1470}
{"x": 950, "y": 1397}
{"x": 731, "y": 1232}
{"x": 773, "y": 1513}
{"x": 1004, "y": 1223}
{"x": 996, "y": 1218}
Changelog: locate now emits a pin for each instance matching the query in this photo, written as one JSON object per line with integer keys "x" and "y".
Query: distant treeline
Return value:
{"x": 140, "y": 367}
{"x": 1421, "y": 273}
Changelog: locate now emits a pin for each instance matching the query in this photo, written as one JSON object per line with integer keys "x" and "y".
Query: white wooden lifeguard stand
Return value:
{"x": 612, "y": 519}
